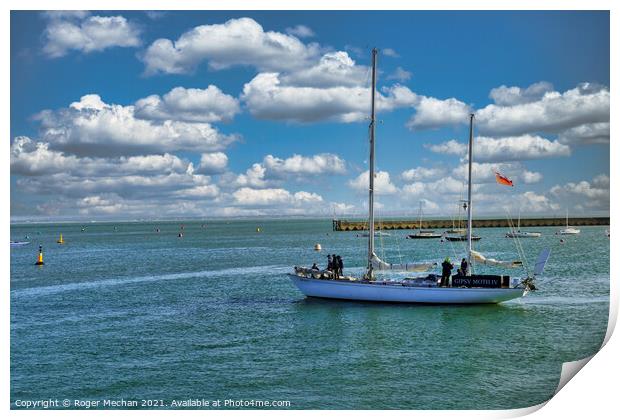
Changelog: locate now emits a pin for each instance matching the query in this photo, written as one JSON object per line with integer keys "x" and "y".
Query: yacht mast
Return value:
{"x": 469, "y": 221}
{"x": 371, "y": 172}
{"x": 420, "y": 223}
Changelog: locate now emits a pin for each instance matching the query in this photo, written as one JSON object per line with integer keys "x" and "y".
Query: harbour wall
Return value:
{"x": 349, "y": 225}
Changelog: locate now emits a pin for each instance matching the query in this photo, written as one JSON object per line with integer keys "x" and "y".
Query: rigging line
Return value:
{"x": 519, "y": 247}
{"x": 521, "y": 250}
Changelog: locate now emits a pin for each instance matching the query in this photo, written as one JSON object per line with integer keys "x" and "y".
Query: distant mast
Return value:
{"x": 371, "y": 172}
{"x": 469, "y": 221}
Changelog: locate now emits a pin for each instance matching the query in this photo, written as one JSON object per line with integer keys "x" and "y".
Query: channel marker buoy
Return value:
{"x": 40, "y": 257}
{"x": 258, "y": 230}
{"x": 60, "y": 240}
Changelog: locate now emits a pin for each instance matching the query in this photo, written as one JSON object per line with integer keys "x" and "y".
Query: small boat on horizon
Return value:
{"x": 568, "y": 230}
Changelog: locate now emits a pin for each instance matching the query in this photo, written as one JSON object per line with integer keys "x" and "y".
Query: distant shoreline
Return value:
{"x": 258, "y": 218}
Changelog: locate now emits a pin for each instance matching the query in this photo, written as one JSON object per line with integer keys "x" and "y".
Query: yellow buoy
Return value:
{"x": 40, "y": 258}
{"x": 60, "y": 240}
{"x": 317, "y": 247}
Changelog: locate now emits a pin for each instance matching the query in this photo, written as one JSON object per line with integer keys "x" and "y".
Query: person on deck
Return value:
{"x": 446, "y": 272}
{"x": 330, "y": 264}
{"x": 340, "y": 266}
{"x": 335, "y": 266}
{"x": 315, "y": 267}
{"x": 464, "y": 267}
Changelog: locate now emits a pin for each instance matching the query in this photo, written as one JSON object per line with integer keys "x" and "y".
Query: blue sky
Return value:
{"x": 199, "y": 114}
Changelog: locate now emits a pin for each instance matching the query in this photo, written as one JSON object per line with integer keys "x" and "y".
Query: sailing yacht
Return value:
{"x": 464, "y": 289}
{"x": 424, "y": 234}
{"x": 519, "y": 234}
{"x": 568, "y": 230}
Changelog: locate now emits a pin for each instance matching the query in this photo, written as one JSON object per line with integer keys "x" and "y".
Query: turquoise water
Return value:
{"x": 136, "y": 314}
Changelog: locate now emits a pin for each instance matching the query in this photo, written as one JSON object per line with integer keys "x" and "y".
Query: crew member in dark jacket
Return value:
{"x": 446, "y": 271}
{"x": 340, "y": 265}
{"x": 464, "y": 267}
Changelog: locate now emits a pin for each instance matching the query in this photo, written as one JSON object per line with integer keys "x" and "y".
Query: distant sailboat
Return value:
{"x": 519, "y": 234}
{"x": 462, "y": 238}
{"x": 465, "y": 289}
{"x": 423, "y": 234}
{"x": 568, "y": 230}
{"x": 460, "y": 235}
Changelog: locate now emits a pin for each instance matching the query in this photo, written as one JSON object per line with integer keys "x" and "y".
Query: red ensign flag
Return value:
{"x": 501, "y": 179}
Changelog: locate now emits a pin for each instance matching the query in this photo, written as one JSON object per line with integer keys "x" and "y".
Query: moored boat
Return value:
{"x": 568, "y": 230}
{"x": 423, "y": 234}
{"x": 461, "y": 238}
{"x": 517, "y": 233}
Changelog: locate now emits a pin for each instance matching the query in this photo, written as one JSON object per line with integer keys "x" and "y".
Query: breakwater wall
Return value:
{"x": 349, "y": 225}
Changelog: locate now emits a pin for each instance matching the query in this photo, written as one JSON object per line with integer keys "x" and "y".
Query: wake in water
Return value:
{"x": 68, "y": 287}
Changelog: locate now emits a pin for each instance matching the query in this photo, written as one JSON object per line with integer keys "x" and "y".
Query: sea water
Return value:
{"x": 123, "y": 312}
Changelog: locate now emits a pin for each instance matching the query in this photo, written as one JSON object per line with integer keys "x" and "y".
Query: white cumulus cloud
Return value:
{"x": 194, "y": 105}
{"x": 488, "y": 149}
{"x": 267, "y": 98}
{"x": 421, "y": 173}
{"x": 592, "y": 194}
{"x": 240, "y": 41}
{"x": 31, "y": 158}
{"x": 324, "y": 163}
{"x": 273, "y": 196}
{"x": 92, "y": 127}
{"x": 300, "y": 31}
{"x": 514, "y": 95}
{"x": 65, "y": 32}
{"x": 555, "y": 112}
{"x": 212, "y": 163}
{"x": 333, "y": 69}
{"x": 435, "y": 113}
{"x": 383, "y": 185}
{"x": 594, "y": 133}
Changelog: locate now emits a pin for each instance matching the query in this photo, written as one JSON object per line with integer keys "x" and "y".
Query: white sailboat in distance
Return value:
{"x": 422, "y": 233}
{"x": 465, "y": 289}
{"x": 568, "y": 230}
{"x": 518, "y": 233}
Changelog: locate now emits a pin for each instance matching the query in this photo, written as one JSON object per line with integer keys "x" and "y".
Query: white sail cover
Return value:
{"x": 478, "y": 257}
{"x": 379, "y": 265}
